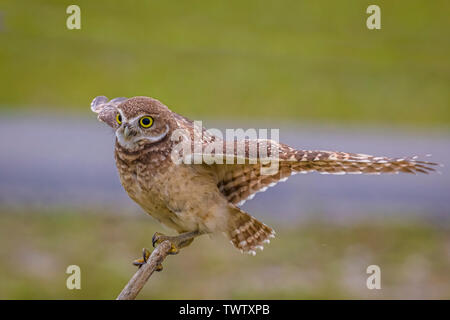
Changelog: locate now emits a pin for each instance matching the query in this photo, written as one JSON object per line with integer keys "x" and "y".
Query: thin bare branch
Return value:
{"x": 140, "y": 278}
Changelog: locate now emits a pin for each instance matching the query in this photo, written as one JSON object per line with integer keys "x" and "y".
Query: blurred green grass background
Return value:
{"x": 284, "y": 60}
{"x": 316, "y": 260}
{"x": 296, "y": 60}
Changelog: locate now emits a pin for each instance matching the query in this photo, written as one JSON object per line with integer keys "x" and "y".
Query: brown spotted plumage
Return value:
{"x": 204, "y": 197}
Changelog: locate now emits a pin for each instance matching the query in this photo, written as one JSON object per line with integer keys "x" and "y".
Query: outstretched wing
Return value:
{"x": 240, "y": 182}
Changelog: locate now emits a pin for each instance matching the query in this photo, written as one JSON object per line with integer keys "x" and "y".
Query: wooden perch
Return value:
{"x": 140, "y": 278}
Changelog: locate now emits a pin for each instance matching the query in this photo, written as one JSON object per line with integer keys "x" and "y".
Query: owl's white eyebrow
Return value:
{"x": 122, "y": 115}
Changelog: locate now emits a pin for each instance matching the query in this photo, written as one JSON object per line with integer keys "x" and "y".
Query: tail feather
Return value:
{"x": 247, "y": 233}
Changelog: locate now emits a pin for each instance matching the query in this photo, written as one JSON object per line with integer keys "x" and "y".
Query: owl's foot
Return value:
{"x": 177, "y": 242}
{"x": 145, "y": 255}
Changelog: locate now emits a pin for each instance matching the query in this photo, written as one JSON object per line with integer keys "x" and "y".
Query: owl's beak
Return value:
{"x": 126, "y": 132}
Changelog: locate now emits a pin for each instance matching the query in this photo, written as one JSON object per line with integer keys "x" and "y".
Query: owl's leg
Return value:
{"x": 180, "y": 241}
{"x": 145, "y": 255}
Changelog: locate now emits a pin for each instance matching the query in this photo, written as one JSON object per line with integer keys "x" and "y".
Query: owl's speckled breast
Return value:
{"x": 143, "y": 178}
{"x": 182, "y": 197}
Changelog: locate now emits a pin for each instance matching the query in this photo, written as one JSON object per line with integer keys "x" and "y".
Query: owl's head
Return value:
{"x": 137, "y": 121}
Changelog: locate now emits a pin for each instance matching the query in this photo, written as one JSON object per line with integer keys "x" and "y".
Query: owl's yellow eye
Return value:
{"x": 119, "y": 118}
{"x": 146, "y": 122}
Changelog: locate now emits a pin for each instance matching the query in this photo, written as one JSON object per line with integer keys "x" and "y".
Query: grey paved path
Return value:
{"x": 68, "y": 161}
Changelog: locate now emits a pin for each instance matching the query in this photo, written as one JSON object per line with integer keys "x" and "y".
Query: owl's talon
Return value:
{"x": 145, "y": 255}
{"x": 156, "y": 239}
{"x": 159, "y": 268}
{"x": 174, "y": 249}
{"x": 138, "y": 262}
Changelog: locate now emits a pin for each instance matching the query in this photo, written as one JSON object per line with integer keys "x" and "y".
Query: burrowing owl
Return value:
{"x": 197, "y": 198}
